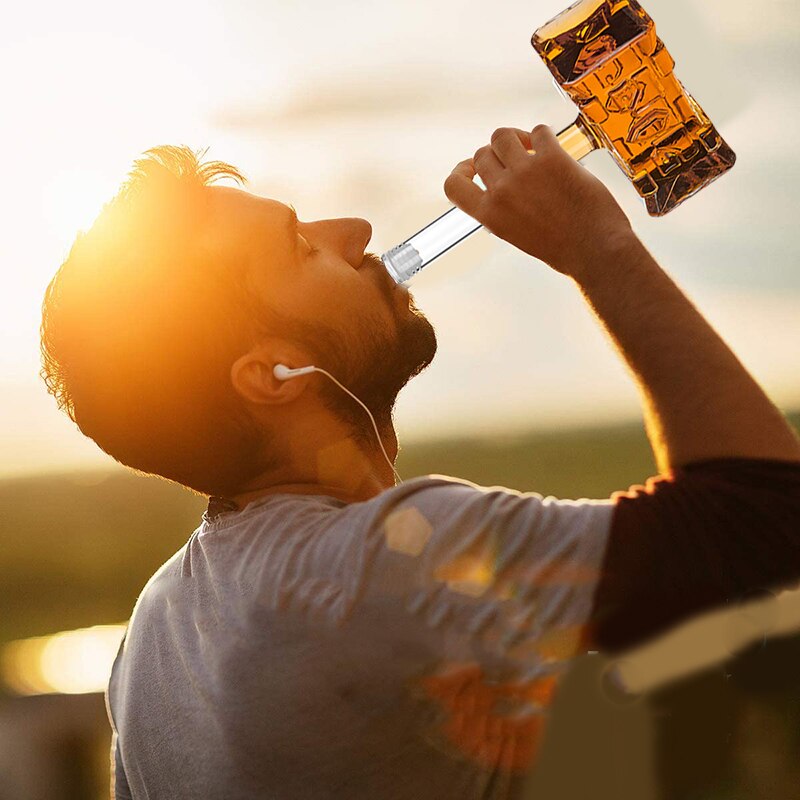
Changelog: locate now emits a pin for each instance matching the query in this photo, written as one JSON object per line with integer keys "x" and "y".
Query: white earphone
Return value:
{"x": 284, "y": 373}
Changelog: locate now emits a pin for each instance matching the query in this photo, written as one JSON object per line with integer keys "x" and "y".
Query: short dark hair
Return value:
{"x": 140, "y": 326}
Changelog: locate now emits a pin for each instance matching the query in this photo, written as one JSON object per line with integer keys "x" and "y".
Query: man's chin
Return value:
{"x": 420, "y": 342}
{"x": 413, "y": 351}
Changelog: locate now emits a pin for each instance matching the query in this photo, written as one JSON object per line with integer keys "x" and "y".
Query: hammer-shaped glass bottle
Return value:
{"x": 605, "y": 56}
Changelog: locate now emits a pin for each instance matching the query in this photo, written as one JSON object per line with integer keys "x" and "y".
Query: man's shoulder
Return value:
{"x": 161, "y": 580}
{"x": 452, "y": 502}
{"x": 440, "y": 488}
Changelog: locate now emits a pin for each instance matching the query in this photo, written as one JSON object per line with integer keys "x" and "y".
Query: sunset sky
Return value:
{"x": 362, "y": 109}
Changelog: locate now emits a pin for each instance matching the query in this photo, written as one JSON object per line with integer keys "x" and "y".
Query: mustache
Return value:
{"x": 388, "y": 282}
{"x": 371, "y": 259}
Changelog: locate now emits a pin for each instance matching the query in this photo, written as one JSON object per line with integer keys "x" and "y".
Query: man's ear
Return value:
{"x": 253, "y": 378}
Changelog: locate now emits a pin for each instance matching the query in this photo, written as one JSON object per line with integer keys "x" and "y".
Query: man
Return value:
{"x": 325, "y": 633}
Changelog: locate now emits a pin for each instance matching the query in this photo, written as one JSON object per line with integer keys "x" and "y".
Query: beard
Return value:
{"x": 374, "y": 362}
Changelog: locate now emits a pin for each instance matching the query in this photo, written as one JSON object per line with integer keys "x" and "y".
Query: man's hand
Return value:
{"x": 544, "y": 202}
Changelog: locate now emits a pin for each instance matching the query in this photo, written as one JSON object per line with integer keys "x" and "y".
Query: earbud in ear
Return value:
{"x": 283, "y": 373}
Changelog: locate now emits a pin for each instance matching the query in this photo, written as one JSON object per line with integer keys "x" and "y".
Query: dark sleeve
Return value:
{"x": 710, "y": 533}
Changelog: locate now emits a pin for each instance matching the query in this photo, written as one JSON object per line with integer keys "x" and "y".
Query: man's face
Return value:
{"x": 359, "y": 324}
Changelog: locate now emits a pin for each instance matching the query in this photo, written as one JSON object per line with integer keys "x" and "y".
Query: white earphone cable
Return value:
{"x": 372, "y": 420}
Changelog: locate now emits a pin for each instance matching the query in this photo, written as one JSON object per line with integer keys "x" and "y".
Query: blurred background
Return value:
{"x": 363, "y": 109}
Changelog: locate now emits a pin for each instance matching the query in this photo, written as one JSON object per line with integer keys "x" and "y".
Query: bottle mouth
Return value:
{"x": 402, "y": 262}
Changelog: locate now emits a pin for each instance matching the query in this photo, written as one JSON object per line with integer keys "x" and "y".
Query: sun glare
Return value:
{"x": 73, "y": 198}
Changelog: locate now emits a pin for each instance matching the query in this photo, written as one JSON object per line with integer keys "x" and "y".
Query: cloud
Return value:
{"x": 341, "y": 98}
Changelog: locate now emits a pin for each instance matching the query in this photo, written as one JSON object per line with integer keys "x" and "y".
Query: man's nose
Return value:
{"x": 348, "y": 235}
{"x": 362, "y": 231}
{"x": 358, "y": 232}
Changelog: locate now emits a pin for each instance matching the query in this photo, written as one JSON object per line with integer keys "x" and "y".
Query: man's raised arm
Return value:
{"x": 722, "y": 523}
{"x": 700, "y": 402}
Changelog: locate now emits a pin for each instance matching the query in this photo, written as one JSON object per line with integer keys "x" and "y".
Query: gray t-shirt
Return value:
{"x": 403, "y": 647}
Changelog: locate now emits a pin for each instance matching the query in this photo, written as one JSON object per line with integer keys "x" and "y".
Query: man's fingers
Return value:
{"x": 487, "y": 165}
{"x": 460, "y": 188}
{"x": 543, "y": 139}
{"x": 511, "y": 145}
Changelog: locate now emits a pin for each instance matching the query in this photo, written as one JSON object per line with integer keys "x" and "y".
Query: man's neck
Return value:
{"x": 341, "y": 470}
{"x": 338, "y": 492}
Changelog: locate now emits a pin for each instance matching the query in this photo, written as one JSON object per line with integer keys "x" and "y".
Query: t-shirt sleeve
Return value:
{"x": 709, "y": 533}
{"x": 119, "y": 788}
{"x": 514, "y": 573}
{"x": 480, "y": 599}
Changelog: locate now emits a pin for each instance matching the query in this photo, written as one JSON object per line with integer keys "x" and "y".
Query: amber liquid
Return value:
{"x": 606, "y": 57}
